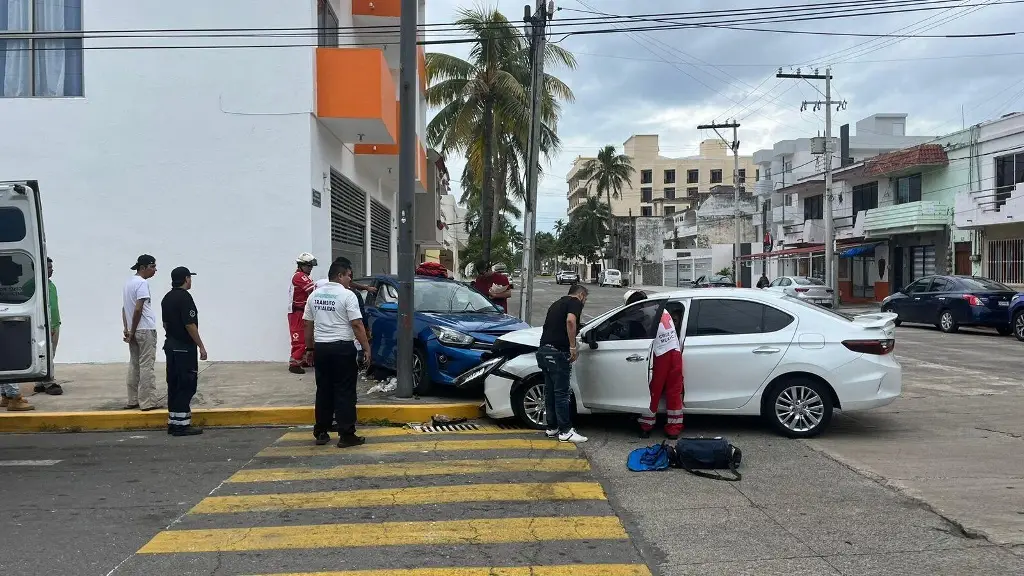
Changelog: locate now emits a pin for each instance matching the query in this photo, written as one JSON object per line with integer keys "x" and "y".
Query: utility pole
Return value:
{"x": 735, "y": 147}
{"x": 831, "y": 277}
{"x": 406, "y": 194}
{"x": 536, "y": 25}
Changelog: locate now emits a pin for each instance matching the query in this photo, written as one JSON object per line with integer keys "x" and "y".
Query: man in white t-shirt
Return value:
{"x": 139, "y": 323}
{"x": 333, "y": 325}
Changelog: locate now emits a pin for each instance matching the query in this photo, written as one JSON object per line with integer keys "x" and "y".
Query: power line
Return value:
{"x": 777, "y": 64}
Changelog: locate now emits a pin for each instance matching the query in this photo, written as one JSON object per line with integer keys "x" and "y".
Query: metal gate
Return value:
{"x": 681, "y": 272}
{"x": 380, "y": 238}
{"x": 922, "y": 261}
{"x": 348, "y": 222}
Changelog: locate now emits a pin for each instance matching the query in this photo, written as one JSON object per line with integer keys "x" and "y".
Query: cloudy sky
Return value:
{"x": 667, "y": 82}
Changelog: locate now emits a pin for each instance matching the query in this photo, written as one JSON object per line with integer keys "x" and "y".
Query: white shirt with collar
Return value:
{"x": 332, "y": 308}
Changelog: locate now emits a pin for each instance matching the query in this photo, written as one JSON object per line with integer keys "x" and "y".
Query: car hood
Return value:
{"x": 475, "y": 323}
{"x": 528, "y": 337}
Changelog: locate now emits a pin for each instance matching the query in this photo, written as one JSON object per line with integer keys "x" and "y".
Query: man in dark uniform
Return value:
{"x": 183, "y": 349}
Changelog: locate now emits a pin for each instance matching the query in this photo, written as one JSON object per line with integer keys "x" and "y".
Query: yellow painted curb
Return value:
{"x": 35, "y": 421}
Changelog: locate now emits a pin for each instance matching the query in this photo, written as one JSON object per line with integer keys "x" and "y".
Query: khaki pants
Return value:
{"x": 141, "y": 380}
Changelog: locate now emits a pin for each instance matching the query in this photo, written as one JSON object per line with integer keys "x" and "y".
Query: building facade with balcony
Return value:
{"x": 228, "y": 160}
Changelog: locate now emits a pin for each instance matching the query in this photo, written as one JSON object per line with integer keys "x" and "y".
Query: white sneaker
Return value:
{"x": 551, "y": 433}
{"x": 572, "y": 436}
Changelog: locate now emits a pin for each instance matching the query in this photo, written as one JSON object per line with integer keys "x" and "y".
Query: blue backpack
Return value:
{"x": 650, "y": 458}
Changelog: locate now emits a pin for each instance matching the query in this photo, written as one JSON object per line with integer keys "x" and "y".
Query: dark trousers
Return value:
{"x": 556, "y": 367}
{"x": 336, "y": 372}
{"x": 182, "y": 380}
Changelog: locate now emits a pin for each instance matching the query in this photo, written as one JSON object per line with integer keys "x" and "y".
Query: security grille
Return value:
{"x": 1005, "y": 260}
{"x": 923, "y": 261}
{"x": 348, "y": 221}
{"x": 380, "y": 238}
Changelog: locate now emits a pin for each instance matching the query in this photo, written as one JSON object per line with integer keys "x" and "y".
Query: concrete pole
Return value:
{"x": 831, "y": 278}
{"x": 736, "y": 203}
{"x": 537, "y": 24}
{"x": 408, "y": 102}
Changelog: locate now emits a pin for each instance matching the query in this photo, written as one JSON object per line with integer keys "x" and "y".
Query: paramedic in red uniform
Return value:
{"x": 666, "y": 373}
{"x": 301, "y": 287}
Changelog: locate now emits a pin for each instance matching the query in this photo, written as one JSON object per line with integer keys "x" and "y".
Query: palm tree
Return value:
{"x": 591, "y": 218}
{"x": 484, "y": 107}
{"x": 608, "y": 172}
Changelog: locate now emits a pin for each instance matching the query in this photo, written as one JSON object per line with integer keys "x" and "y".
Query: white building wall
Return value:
{"x": 199, "y": 157}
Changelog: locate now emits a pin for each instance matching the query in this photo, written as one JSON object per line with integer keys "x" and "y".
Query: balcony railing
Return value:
{"x": 989, "y": 207}
{"x": 921, "y": 216}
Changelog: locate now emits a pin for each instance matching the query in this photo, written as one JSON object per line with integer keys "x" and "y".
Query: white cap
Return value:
{"x": 306, "y": 258}
{"x": 629, "y": 293}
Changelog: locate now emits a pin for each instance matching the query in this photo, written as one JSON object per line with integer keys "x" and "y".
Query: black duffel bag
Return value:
{"x": 698, "y": 454}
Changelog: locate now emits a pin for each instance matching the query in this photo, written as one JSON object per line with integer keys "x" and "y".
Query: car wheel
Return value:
{"x": 1018, "y": 325}
{"x": 421, "y": 376}
{"x": 897, "y": 321}
{"x": 947, "y": 323}
{"x": 528, "y": 404}
{"x": 799, "y": 408}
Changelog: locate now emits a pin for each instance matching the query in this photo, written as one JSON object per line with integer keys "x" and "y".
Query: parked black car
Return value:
{"x": 714, "y": 281}
{"x": 950, "y": 302}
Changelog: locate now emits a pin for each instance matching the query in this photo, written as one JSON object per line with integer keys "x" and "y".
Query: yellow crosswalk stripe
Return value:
{"x": 566, "y": 570}
{"x": 419, "y": 446}
{"x": 307, "y": 435}
{"x": 436, "y": 468}
{"x": 466, "y": 532}
{"x": 525, "y": 492}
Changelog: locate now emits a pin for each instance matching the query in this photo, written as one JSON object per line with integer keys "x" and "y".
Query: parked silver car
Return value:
{"x": 567, "y": 277}
{"x": 811, "y": 290}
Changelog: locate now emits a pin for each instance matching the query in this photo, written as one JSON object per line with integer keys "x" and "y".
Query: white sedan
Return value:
{"x": 808, "y": 289}
{"x": 745, "y": 352}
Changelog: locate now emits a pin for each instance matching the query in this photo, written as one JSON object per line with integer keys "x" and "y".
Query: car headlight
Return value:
{"x": 477, "y": 373}
{"x": 451, "y": 337}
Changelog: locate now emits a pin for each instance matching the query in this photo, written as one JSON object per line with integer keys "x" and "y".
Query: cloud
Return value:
{"x": 668, "y": 82}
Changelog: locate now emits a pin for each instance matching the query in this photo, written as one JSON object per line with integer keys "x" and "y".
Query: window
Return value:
{"x": 919, "y": 286}
{"x": 35, "y": 58}
{"x": 1009, "y": 173}
{"x": 865, "y": 197}
{"x": 805, "y": 281}
{"x": 787, "y": 166}
{"x": 908, "y": 189}
{"x": 1004, "y": 260}
{"x": 720, "y": 317}
{"x": 757, "y": 174}
{"x": 922, "y": 260}
{"x": 670, "y": 176}
{"x": 646, "y": 176}
{"x": 646, "y": 211}
{"x": 670, "y": 193}
{"x": 984, "y": 284}
{"x": 12, "y": 225}
{"x": 638, "y": 322}
{"x": 768, "y": 173}
{"x": 941, "y": 284}
{"x": 716, "y": 176}
{"x": 327, "y": 25}
{"x": 692, "y": 192}
{"x": 692, "y": 176}
{"x": 670, "y": 210}
{"x": 646, "y": 194}
{"x": 814, "y": 207}
{"x": 742, "y": 175}
{"x": 16, "y": 282}
{"x": 449, "y": 297}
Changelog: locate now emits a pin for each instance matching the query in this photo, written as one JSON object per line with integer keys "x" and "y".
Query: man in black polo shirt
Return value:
{"x": 183, "y": 349}
{"x": 555, "y": 357}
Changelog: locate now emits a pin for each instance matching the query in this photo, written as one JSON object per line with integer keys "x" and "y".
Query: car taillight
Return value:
{"x": 878, "y": 347}
{"x": 828, "y": 290}
{"x": 972, "y": 299}
{"x": 801, "y": 289}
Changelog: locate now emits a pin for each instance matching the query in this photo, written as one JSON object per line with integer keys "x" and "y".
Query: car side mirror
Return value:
{"x": 591, "y": 339}
{"x": 389, "y": 307}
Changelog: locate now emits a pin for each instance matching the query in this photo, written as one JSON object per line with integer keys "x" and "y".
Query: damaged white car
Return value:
{"x": 745, "y": 352}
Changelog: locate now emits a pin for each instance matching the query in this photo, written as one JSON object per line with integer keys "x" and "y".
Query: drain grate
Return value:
{"x": 467, "y": 427}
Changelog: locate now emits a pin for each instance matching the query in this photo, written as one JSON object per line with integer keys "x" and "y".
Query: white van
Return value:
{"x": 24, "y": 307}
{"x": 610, "y": 277}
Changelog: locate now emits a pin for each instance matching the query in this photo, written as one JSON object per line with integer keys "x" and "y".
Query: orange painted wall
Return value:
{"x": 381, "y": 8}
{"x": 421, "y": 57}
{"x": 881, "y": 291}
{"x": 383, "y": 149}
{"x": 355, "y": 83}
{"x": 846, "y": 290}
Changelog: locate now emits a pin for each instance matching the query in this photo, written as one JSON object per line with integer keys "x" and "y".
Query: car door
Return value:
{"x": 25, "y": 347}
{"x": 910, "y": 308}
{"x": 730, "y": 349}
{"x": 613, "y": 376}
{"x": 384, "y": 326}
{"x": 935, "y": 298}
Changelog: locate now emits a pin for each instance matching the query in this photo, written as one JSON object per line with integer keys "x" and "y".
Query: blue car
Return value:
{"x": 454, "y": 325}
{"x": 1017, "y": 316}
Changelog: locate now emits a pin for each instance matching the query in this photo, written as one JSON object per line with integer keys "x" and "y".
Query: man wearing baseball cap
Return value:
{"x": 139, "y": 323}
{"x": 183, "y": 349}
{"x": 298, "y": 292}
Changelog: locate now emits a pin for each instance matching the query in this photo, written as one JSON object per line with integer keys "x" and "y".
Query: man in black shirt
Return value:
{"x": 555, "y": 357}
{"x": 183, "y": 349}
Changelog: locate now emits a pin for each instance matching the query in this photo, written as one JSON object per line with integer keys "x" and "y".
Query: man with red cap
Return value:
{"x": 666, "y": 374}
{"x": 298, "y": 292}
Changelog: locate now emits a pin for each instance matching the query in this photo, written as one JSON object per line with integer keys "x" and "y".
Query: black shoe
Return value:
{"x": 132, "y": 407}
{"x": 53, "y": 389}
{"x": 645, "y": 433}
{"x": 39, "y": 388}
{"x": 349, "y": 440}
{"x": 294, "y": 369}
{"x": 322, "y": 438}
{"x": 151, "y": 408}
{"x": 186, "y": 431}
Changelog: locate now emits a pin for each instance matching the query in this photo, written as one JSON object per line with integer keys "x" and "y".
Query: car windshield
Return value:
{"x": 613, "y": 272}
{"x": 447, "y": 297}
{"x": 830, "y": 312}
{"x": 719, "y": 279}
{"x": 975, "y": 283}
{"x": 804, "y": 281}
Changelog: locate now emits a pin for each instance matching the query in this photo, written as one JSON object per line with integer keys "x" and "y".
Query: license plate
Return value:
{"x": 1007, "y": 304}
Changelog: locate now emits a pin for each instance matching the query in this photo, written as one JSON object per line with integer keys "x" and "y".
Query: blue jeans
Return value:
{"x": 556, "y": 368}
{"x": 10, "y": 390}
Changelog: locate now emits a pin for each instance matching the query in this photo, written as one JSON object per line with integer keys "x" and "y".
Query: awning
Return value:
{"x": 786, "y": 252}
{"x": 858, "y": 250}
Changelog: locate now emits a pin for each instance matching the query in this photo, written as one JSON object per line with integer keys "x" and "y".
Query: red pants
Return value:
{"x": 667, "y": 379}
{"x": 297, "y": 333}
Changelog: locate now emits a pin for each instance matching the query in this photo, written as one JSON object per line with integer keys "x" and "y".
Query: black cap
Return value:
{"x": 179, "y": 274}
{"x": 143, "y": 261}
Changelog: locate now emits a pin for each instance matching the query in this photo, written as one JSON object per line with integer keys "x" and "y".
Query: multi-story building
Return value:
{"x": 229, "y": 160}
{"x": 790, "y": 192}
{"x": 430, "y": 221}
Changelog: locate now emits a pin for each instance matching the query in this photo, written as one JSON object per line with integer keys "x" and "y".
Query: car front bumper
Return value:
{"x": 446, "y": 363}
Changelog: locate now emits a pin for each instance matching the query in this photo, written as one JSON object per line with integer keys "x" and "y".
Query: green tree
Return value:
{"x": 484, "y": 109}
{"x": 608, "y": 173}
{"x": 583, "y": 235}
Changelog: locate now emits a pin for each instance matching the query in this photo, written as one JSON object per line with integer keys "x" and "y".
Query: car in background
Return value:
{"x": 713, "y": 281}
{"x": 808, "y": 289}
{"x": 1017, "y": 315}
{"x": 745, "y": 352}
{"x": 610, "y": 277}
{"x": 567, "y": 277}
{"x": 949, "y": 302}
{"x": 453, "y": 326}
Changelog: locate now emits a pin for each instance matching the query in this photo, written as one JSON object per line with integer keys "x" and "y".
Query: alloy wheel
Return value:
{"x": 1018, "y": 326}
{"x": 533, "y": 404}
{"x": 946, "y": 320}
{"x": 417, "y": 369}
{"x": 799, "y": 408}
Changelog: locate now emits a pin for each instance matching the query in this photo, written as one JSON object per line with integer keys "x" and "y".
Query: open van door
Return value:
{"x": 24, "y": 298}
